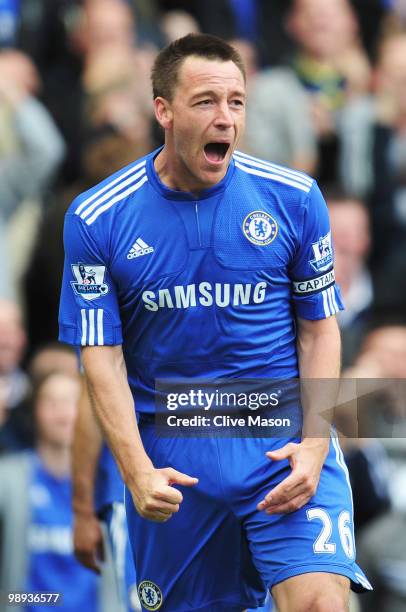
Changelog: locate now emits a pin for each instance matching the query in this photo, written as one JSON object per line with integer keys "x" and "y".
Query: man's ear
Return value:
{"x": 163, "y": 112}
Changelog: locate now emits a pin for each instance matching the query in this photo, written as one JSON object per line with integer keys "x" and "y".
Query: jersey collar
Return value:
{"x": 172, "y": 194}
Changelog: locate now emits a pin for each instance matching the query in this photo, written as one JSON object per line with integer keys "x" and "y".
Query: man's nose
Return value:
{"x": 224, "y": 117}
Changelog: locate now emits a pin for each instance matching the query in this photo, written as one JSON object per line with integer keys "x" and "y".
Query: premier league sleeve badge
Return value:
{"x": 89, "y": 283}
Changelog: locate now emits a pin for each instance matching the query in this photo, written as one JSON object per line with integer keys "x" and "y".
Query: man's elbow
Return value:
{"x": 325, "y": 331}
{"x": 99, "y": 361}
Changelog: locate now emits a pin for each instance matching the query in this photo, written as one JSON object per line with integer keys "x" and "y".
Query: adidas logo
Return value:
{"x": 139, "y": 248}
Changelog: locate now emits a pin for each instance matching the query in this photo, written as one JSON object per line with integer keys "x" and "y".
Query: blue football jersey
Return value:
{"x": 52, "y": 566}
{"x": 205, "y": 287}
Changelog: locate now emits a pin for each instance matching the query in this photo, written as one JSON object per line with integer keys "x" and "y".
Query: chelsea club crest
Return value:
{"x": 150, "y": 595}
{"x": 260, "y": 228}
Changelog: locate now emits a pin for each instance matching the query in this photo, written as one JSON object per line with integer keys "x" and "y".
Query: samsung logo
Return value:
{"x": 205, "y": 294}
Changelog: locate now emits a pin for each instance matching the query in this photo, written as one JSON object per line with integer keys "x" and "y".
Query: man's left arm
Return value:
{"x": 319, "y": 358}
{"x": 316, "y": 299}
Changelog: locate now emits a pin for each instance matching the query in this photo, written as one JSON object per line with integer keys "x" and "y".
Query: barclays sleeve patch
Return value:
{"x": 89, "y": 281}
{"x": 323, "y": 254}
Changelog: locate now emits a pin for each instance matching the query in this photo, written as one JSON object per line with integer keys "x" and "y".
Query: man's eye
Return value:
{"x": 204, "y": 102}
{"x": 237, "y": 102}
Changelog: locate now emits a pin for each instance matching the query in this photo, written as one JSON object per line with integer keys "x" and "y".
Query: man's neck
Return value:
{"x": 173, "y": 174}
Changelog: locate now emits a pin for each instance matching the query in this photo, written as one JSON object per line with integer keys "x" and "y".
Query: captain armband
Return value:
{"x": 315, "y": 284}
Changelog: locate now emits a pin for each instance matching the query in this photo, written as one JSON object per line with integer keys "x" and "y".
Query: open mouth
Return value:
{"x": 215, "y": 152}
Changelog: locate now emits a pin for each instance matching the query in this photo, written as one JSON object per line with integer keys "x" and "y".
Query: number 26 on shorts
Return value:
{"x": 322, "y": 543}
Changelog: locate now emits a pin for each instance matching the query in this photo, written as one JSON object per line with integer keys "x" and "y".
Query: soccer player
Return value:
{"x": 212, "y": 264}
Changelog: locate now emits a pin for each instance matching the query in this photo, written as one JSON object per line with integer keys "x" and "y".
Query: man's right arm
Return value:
{"x": 154, "y": 497}
{"x": 87, "y": 443}
{"x": 99, "y": 333}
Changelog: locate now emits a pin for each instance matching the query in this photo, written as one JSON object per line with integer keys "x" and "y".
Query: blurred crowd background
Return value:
{"x": 326, "y": 95}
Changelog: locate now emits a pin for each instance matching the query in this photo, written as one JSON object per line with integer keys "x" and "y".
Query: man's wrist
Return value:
{"x": 134, "y": 477}
{"x": 321, "y": 444}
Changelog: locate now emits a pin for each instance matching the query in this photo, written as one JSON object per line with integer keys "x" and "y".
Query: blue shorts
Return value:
{"x": 114, "y": 518}
{"x": 219, "y": 553}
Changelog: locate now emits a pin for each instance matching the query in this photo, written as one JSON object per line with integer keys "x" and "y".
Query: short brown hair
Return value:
{"x": 168, "y": 62}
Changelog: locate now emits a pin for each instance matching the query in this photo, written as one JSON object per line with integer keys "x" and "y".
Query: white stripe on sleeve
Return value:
{"x": 100, "y": 335}
{"x": 116, "y": 199}
{"x": 91, "y": 327}
{"x": 333, "y": 298}
{"x": 108, "y": 196}
{"x": 274, "y": 169}
{"x": 325, "y": 304}
{"x": 275, "y": 177}
{"x": 109, "y": 186}
{"x": 84, "y": 326}
{"x": 330, "y": 301}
